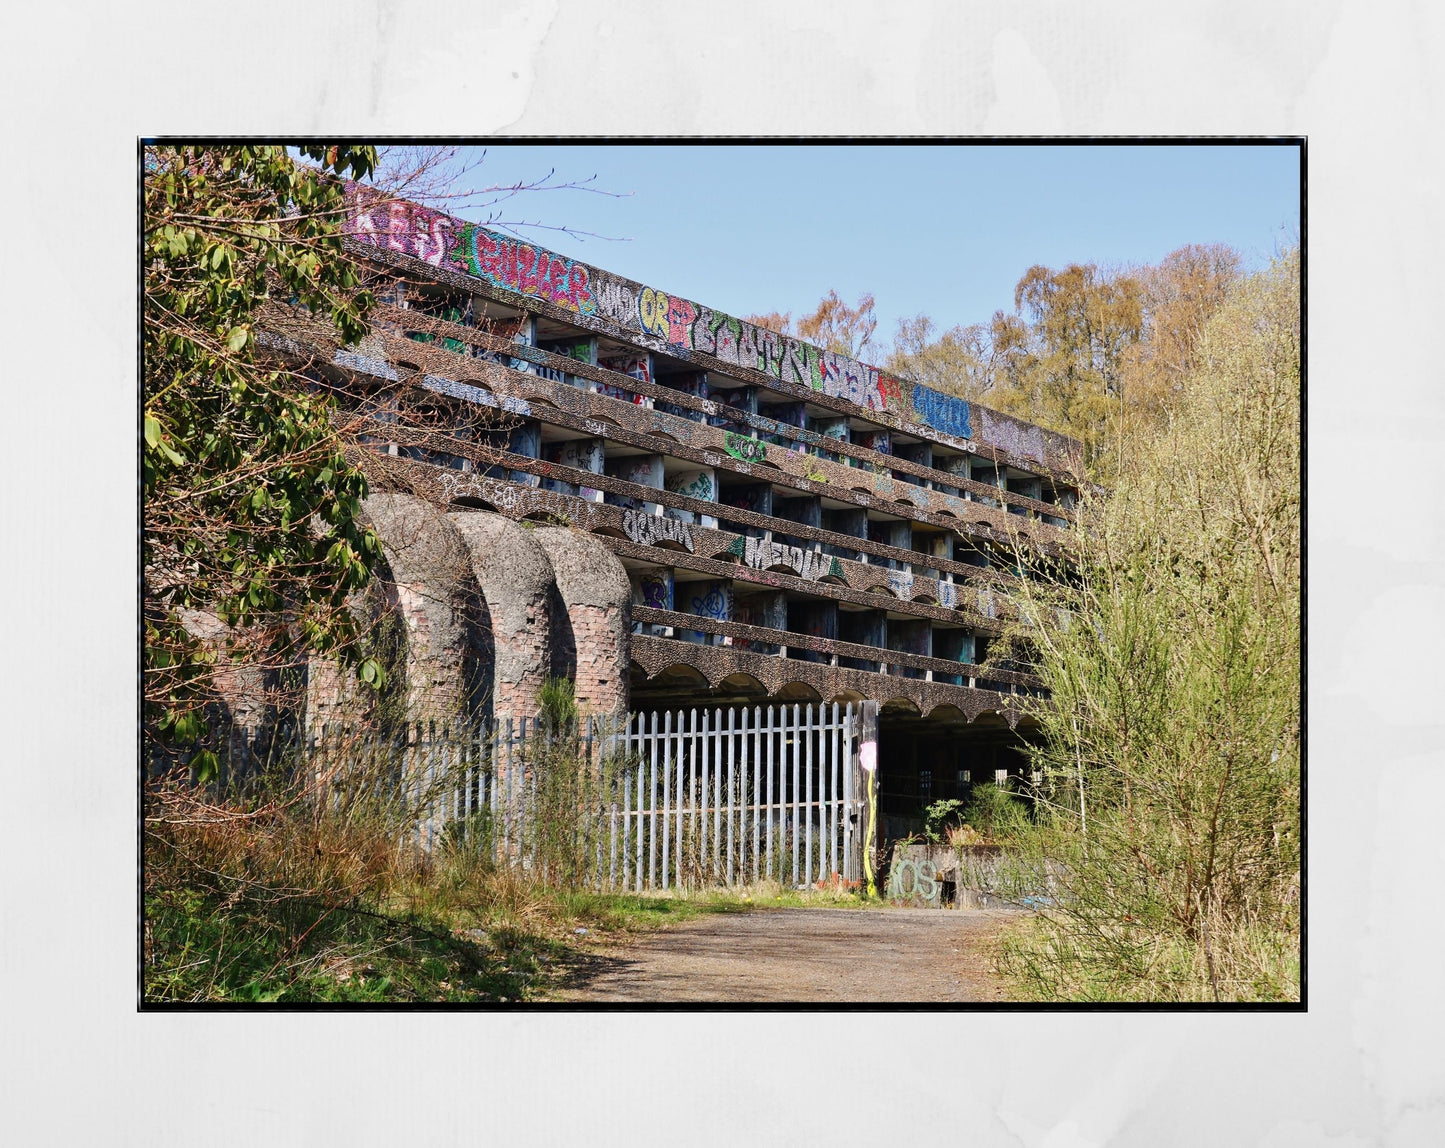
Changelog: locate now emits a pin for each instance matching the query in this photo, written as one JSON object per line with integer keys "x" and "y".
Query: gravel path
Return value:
{"x": 803, "y": 955}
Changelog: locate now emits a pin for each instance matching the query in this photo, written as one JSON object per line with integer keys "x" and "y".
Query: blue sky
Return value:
{"x": 942, "y": 229}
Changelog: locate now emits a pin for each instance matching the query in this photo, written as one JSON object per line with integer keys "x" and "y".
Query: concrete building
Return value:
{"x": 675, "y": 507}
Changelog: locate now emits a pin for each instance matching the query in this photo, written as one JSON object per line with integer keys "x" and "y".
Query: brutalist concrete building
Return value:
{"x": 674, "y": 507}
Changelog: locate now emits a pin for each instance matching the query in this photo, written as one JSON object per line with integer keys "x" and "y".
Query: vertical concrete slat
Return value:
{"x": 717, "y": 796}
{"x": 666, "y": 790}
{"x": 808, "y": 784}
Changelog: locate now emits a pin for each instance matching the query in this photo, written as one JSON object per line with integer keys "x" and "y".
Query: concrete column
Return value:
{"x": 514, "y": 576}
{"x": 594, "y": 592}
{"x": 432, "y": 589}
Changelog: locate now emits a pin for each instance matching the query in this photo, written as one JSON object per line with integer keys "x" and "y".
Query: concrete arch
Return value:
{"x": 434, "y": 596}
{"x": 743, "y": 682}
{"x": 795, "y": 691}
{"x": 592, "y": 616}
{"x": 514, "y": 577}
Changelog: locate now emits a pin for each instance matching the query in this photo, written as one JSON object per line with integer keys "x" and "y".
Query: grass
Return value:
{"x": 274, "y": 906}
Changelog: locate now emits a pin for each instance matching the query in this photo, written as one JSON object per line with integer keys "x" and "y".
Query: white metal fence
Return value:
{"x": 689, "y": 798}
{"x": 732, "y": 796}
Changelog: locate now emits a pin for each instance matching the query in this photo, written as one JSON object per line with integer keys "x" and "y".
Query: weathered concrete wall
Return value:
{"x": 514, "y": 576}
{"x": 967, "y": 877}
{"x": 590, "y": 638}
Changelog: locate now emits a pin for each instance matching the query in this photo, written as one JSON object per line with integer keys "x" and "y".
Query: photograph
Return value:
{"x": 610, "y": 575}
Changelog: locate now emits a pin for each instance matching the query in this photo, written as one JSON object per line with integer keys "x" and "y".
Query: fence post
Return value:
{"x": 866, "y": 777}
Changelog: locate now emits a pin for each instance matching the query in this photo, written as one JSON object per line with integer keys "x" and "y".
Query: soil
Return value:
{"x": 819, "y": 956}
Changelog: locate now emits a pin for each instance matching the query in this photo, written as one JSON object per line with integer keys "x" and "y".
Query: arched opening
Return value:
{"x": 741, "y": 683}
{"x": 471, "y": 502}
{"x": 798, "y": 692}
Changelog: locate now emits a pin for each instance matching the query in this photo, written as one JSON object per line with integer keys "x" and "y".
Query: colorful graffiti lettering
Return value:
{"x": 649, "y": 529}
{"x": 524, "y": 268}
{"x": 764, "y": 554}
{"x": 440, "y": 240}
{"x": 942, "y": 412}
{"x": 669, "y": 318}
{"x": 744, "y": 449}
{"x": 655, "y": 589}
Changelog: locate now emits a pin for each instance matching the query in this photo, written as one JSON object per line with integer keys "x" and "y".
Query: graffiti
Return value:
{"x": 942, "y": 412}
{"x": 911, "y": 878}
{"x": 366, "y": 364}
{"x": 406, "y": 228}
{"x": 523, "y": 268}
{"x": 716, "y": 601}
{"x": 880, "y": 441}
{"x": 693, "y": 484}
{"x": 667, "y": 318}
{"x": 442, "y": 241}
{"x": 649, "y": 530}
{"x": 476, "y": 395}
{"x": 655, "y": 589}
{"x": 644, "y": 471}
{"x": 900, "y": 584}
{"x": 947, "y": 595}
{"x": 764, "y": 554}
{"x": 744, "y": 449}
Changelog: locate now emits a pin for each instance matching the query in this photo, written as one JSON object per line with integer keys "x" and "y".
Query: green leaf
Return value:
{"x": 153, "y": 432}
{"x": 206, "y": 765}
{"x": 237, "y": 339}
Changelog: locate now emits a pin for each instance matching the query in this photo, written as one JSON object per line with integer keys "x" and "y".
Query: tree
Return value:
{"x": 779, "y": 321}
{"x": 1062, "y": 353}
{"x": 1180, "y": 295}
{"x": 836, "y": 327}
{"x": 961, "y": 361}
{"x": 1172, "y": 731}
{"x": 252, "y": 538}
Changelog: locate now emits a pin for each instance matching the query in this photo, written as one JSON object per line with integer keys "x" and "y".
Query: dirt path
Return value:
{"x": 803, "y": 955}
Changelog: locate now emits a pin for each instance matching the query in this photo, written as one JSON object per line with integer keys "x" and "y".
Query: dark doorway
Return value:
{"x": 921, "y": 761}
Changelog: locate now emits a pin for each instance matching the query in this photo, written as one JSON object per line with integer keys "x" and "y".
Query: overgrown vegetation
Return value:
{"x": 347, "y": 872}
{"x": 253, "y": 537}
{"x": 1172, "y": 741}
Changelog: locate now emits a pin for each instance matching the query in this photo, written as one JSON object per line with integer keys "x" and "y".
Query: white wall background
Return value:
{"x": 1361, "y": 79}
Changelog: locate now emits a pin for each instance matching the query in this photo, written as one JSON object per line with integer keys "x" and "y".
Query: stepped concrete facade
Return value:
{"x": 581, "y": 475}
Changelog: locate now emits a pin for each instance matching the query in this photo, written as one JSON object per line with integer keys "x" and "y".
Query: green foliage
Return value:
{"x": 995, "y": 811}
{"x": 939, "y": 816}
{"x": 1098, "y": 354}
{"x": 1172, "y": 741}
{"x": 557, "y": 702}
{"x": 250, "y": 506}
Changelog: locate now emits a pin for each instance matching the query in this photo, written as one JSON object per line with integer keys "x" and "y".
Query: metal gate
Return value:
{"x": 735, "y": 796}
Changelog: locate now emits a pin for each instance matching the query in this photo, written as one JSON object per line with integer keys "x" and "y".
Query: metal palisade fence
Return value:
{"x": 737, "y": 795}
{"x": 660, "y": 800}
